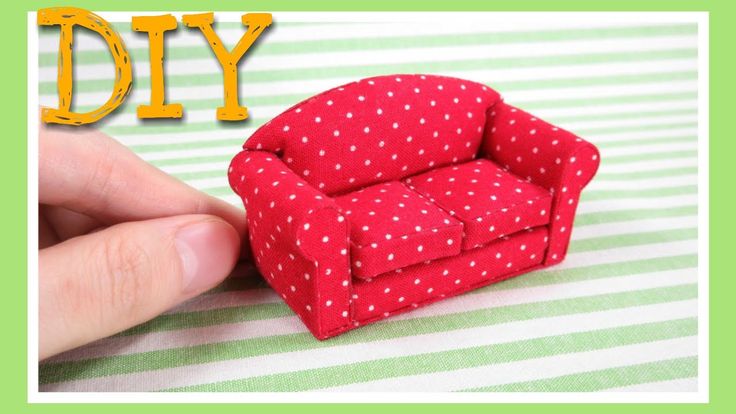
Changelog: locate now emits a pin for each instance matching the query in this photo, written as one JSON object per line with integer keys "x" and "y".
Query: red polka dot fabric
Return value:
{"x": 489, "y": 201}
{"x": 547, "y": 156}
{"x": 434, "y": 280}
{"x": 392, "y": 192}
{"x": 379, "y": 129}
{"x": 299, "y": 240}
{"x": 392, "y": 227}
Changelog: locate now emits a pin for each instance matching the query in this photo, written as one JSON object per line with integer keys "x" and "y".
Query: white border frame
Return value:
{"x": 701, "y": 396}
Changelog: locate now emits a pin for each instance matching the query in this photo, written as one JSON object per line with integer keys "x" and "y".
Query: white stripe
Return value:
{"x": 614, "y": 109}
{"x": 581, "y": 126}
{"x": 635, "y": 226}
{"x": 614, "y": 168}
{"x": 242, "y": 134}
{"x": 210, "y": 65}
{"x": 648, "y": 165}
{"x": 414, "y": 345}
{"x": 309, "y": 86}
{"x": 640, "y": 183}
{"x": 620, "y": 254}
{"x": 530, "y": 370}
{"x": 634, "y": 203}
{"x": 578, "y": 127}
{"x": 592, "y": 206}
{"x": 221, "y": 166}
{"x": 677, "y": 385}
{"x": 548, "y": 114}
{"x": 492, "y": 77}
{"x": 49, "y": 42}
{"x": 290, "y": 325}
{"x": 632, "y": 136}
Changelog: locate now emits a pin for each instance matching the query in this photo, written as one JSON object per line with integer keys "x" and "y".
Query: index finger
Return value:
{"x": 88, "y": 172}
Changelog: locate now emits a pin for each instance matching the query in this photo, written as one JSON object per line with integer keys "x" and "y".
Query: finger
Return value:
{"x": 90, "y": 173}
{"x": 46, "y": 234}
{"x": 67, "y": 223}
{"x": 96, "y": 285}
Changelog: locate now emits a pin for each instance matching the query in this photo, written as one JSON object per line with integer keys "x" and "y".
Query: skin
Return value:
{"x": 119, "y": 240}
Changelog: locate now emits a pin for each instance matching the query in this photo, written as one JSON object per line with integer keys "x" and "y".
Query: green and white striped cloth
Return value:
{"x": 621, "y": 313}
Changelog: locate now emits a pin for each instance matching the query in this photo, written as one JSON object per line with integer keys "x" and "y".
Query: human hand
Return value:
{"x": 119, "y": 240}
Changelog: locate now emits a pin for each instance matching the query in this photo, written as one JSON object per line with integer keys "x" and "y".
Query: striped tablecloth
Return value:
{"x": 619, "y": 314}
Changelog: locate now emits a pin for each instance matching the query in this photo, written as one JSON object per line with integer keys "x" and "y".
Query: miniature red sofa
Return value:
{"x": 393, "y": 192}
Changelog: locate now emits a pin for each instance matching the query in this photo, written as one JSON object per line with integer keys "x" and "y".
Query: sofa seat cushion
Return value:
{"x": 392, "y": 227}
{"x": 488, "y": 200}
{"x": 435, "y": 280}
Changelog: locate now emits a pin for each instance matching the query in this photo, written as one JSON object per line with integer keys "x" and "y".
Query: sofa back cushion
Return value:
{"x": 378, "y": 129}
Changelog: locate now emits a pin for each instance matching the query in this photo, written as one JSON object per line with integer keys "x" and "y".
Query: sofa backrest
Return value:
{"x": 378, "y": 129}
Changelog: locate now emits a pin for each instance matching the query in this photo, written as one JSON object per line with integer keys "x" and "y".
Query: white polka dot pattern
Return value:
{"x": 378, "y": 129}
{"x": 299, "y": 240}
{"x": 547, "y": 156}
{"x": 337, "y": 232}
{"x": 392, "y": 227}
{"x": 489, "y": 201}
{"x": 437, "y": 279}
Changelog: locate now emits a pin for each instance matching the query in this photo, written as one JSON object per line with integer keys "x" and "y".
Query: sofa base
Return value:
{"x": 428, "y": 282}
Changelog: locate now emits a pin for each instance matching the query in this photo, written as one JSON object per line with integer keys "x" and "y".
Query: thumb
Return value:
{"x": 95, "y": 285}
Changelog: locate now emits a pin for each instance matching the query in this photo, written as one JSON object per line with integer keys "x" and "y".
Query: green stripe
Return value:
{"x": 599, "y": 271}
{"x": 560, "y": 102}
{"x": 645, "y": 141}
{"x": 238, "y": 349}
{"x": 590, "y": 131}
{"x": 199, "y": 175}
{"x": 506, "y": 86}
{"x": 288, "y": 100}
{"x": 622, "y": 115}
{"x": 537, "y": 278}
{"x": 187, "y": 320}
{"x": 670, "y": 369}
{"x": 635, "y": 175}
{"x": 551, "y": 276}
{"x": 632, "y": 239}
{"x": 238, "y": 314}
{"x": 146, "y": 148}
{"x": 602, "y": 217}
{"x": 648, "y": 156}
{"x": 594, "y": 195}
{"x": 292, "y": 47}
{"x": 456, "y": 359}
{"x": 636, "y": 128}
{"x": 217, "y": 191}
{"x": 124, "y": 27}
{"x": 209, "y": 126}
{"x": 177, "y": 125}
{"x": 204, "y": 159}
{"x": 249, "y": 77}
{"x": 195, "y": 126}
{"x": 589, "y": 195}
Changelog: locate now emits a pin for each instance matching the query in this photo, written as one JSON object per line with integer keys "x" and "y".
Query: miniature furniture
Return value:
{"x": 393, "y": 192}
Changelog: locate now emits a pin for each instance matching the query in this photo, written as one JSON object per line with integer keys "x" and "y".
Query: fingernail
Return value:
{"x": 208, "y": 251}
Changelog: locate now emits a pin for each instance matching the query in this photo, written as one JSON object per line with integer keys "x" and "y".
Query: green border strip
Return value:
{"x": 722, "y": 30}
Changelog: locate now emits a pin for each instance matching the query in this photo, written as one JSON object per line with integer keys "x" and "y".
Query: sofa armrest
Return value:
{"x": 547, "y": 156}
{"x": 299, "y": 240}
